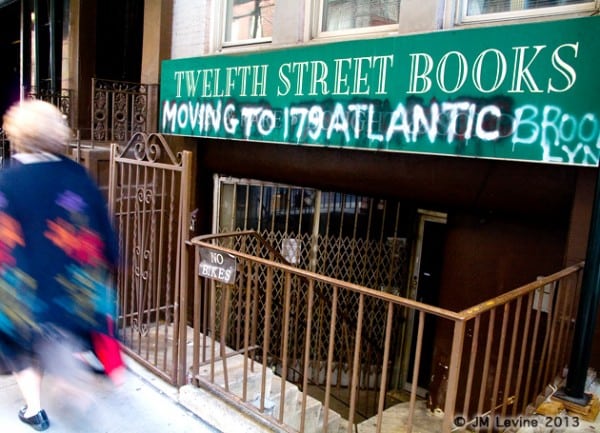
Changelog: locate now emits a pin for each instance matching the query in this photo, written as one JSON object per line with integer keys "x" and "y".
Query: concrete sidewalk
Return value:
{"x": 143, "y": 404}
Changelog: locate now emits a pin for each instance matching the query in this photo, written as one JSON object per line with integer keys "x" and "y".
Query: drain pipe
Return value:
{"x": 581, "y": 350}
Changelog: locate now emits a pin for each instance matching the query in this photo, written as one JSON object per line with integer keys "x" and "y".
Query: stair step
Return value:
{"x": 292, "y": 394}
{"x": 233, "y": 362}
{"x": 311, "y": 416}
{"x": 314, "y": 414}
{"x": 333, "y": 421}
{"x": 235, "y": 377}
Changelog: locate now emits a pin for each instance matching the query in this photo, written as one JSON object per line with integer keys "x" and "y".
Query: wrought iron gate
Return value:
{"x": 150, "y": 198}
{"x": 119, "y": 109}
{"x": 357, "y": 239}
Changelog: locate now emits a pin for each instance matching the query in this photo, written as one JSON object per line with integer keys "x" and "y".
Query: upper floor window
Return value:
{"x": 483, "y": 10}
{"x": 248, "y": 21}
{"x": 348, "y": 15}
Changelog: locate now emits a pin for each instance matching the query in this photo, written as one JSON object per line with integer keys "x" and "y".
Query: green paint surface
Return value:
{"x": 525, "y": 92}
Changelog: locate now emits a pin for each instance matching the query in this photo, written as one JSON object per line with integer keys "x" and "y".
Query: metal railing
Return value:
{"x": 501, "y": 353}
{"x": 149, "y": 197}
{"x": 119, "y": 109}
{"x": 61, "y": 98}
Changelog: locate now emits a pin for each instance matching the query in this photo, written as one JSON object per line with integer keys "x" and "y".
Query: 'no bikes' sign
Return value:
{"x": 216, "y": 265}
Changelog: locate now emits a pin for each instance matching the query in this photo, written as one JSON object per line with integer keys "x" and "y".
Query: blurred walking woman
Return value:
{"x": 57, "y": 256}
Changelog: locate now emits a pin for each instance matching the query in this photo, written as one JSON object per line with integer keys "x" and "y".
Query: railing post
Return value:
{"x": 182, "y": 265}
{"x": 453, "y": 375}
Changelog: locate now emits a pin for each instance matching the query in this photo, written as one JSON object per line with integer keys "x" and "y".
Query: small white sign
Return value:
{"x": 290, "y": 250}
{"x": 547, "y": 294}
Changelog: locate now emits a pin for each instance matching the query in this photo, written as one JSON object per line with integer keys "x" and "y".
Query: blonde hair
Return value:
{"x": 36, "y": 126}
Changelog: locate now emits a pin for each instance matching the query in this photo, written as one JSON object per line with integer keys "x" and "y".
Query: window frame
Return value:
{"x": 548, "y": 12}
{"x": 225, "y": 24}
{"x": 319, "y": 7}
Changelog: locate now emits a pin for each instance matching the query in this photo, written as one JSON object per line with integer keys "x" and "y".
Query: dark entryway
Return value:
{"x": 9, "y": 47}
{"x": 426, "y": 279}
{"x": 119, "y": 36}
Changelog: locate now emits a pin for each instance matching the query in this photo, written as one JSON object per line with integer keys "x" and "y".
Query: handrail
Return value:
{"x": 507, "y": 361}
{"x": 511, "y": 295}
{"x": 253, "y": 233}
{"x": 202, "y": 238}
{"x": 466, "y": 314}
{"x": 271, "y": 249}
{"x": 384, "y": 296}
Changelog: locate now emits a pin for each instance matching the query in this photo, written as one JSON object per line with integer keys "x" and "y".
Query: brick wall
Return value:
{"x": 191, "y": 28}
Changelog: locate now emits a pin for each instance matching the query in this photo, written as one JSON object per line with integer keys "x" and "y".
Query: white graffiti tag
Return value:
{"x": 558, "y": 136}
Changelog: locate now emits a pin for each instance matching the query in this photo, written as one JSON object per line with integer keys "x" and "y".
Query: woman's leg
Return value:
{"x": 30, "y": 384}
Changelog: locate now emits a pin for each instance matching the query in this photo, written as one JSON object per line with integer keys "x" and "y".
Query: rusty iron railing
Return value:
{"x": 120, "y": 109}
{"x": 149, "y": 197}
{"x": 526, "y": 335}
{"x": 61, "y": 98}
{"x": 502, "y": 353}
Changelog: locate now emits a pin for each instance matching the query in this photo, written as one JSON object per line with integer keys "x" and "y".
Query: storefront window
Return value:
{"x": 358, "y": 14}
{"x": 248, "y": 21}
{"x": 486, "y": 9}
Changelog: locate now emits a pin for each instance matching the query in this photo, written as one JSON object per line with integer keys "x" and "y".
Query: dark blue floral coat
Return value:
{"x": 58, "y": 252}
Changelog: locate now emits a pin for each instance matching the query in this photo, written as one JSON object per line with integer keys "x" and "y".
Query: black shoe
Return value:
{"x": 38, "y": 422}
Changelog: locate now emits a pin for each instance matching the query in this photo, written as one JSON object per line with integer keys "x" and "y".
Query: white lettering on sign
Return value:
{"x": 561, "y": 136}
{"x": 453, "y": 70}
{"x": 215, "y": 273}
{"x": 212, "y": 83}
{"x": 350, "y": 76}
{"x": 217, "y": 266}
{"x": 216, "y": 258}
{"x": 519, "y": 69}
{"x": 553, "y": 129}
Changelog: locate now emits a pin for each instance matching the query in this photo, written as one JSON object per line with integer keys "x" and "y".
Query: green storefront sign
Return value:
{"x": 523, "y": 92}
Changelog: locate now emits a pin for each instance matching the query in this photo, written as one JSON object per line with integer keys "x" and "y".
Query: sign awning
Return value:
{"x": 524, "y": 92}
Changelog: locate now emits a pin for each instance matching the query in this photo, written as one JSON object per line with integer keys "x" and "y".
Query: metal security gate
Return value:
{"x": 357, "y": 239}
{"x": 150, "y": 199}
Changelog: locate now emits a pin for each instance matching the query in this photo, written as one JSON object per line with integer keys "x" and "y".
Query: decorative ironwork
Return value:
{"x": 150, "y": 148}
{"x": 149, "y": 196}
{"x": 119, "y": 109}
{"x": 61, "y": 99}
